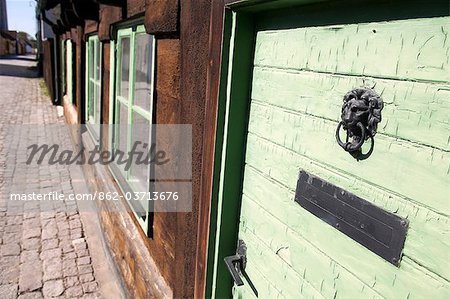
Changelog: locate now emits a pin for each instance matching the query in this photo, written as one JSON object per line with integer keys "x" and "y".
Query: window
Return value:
{"x": 93, "y": 85}
{"x": 133, "y": 112}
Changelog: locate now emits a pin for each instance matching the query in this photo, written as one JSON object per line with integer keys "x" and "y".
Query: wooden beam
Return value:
{"x": 162, "y": 17}
{"x": 108, "y": 15}
{"x": 194, "y": 32}
{"x": 90, "y": 26}
{"x": 209, "y": 140}
{"x": 135, "y": 8}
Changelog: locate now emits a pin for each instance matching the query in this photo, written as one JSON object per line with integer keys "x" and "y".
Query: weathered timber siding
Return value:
{"x": 135, "y": 7}
{"x": 162, "y": 17}
{"x": 194, "y": 32}
{"x": 299, "y": 78}
{"x": 164, "y": 265}
{"x": 47, "y": 66}
{"x": 90, "y": 26}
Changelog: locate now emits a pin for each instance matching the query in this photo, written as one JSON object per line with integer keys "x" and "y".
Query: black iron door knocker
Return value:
{"x": 360, "y": 115}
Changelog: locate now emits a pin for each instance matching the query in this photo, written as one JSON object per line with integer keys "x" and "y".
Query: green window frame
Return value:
{"x": 69, "y": 73}
{"x": 132, "y": 111}
{"x": 63, "y": 66}
{"x": 93, "y": 85}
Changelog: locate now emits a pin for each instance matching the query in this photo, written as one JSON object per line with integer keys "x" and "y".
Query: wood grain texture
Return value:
{"x": 395, "y": 165}
{"x": 168, "y": 68}
{"x": 296, "y": 257}
{"x": 299, "y": 79}
{"x": 194, "y": 33}
{"x": 274, "y": 270}
{"x": 140, "y": 274}
{"x": 206, "y": 215}
{"x": 283, "y": 165}
{"x": 383, "y": 49}
{"x": 370, "y": 269}
{"x": 108, "y": 15}
{"x": 90, "y": 26}
{"x": 413, "y": 111}
{"x": 162, "y": 17}
{"x": 47, "y": 66}
{"x": 135, "y": 7}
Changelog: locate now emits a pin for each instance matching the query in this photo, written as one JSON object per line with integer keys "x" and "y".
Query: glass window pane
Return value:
{"x": 98, "y": 65}
{"x": 124, "y": 67}
{"x": 140, "y": 133}
{"x": 91, "y": 59}
{"x": 91, "y": 89}
{"x": 142, "y": 87}
{"x": 91, "y": 101}
{"x": 98, "y": 102}
{"x": 122, "y": 127}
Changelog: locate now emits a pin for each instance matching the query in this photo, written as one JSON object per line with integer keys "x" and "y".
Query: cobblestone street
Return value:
{"x": 43, "y": 248}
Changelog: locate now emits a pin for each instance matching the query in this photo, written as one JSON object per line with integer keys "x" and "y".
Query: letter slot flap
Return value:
{"x": 378, "y": 230}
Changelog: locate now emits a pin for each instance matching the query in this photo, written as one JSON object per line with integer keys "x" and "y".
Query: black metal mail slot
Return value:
{"x": 378, "y": 230}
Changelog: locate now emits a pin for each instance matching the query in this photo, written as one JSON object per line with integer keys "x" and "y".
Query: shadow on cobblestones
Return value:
{"x": 18, "y": 71}
{"x": 19, "y": 57}
{"x": 18, "y": 66}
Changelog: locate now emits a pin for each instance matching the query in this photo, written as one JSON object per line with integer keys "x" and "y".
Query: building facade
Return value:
{"x": 7, "y": 41}
{"x": 97, "y": 42}
{"x": 3, "y": 15}
{"x": 282, "y": 207}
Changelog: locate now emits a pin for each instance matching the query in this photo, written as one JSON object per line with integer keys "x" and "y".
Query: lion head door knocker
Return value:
{"x": 360, "y": 115}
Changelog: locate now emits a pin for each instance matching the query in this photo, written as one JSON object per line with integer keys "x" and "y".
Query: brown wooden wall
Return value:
{"x": 47, "y": 66}
{"x": 166, "y": 264}
{"x": 180, "y": 98}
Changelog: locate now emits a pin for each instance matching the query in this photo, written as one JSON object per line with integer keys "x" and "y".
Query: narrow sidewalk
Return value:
{"x": 47, "y": 248}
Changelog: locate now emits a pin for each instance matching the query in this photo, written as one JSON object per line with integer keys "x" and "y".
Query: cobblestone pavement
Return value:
{"x": 43, "y": 249}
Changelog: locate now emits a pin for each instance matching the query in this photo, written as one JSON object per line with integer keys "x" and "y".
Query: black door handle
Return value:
{"x": 236, "y": 263}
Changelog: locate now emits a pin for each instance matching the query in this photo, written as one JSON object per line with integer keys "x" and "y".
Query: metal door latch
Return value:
{"x": 237, "y": 263}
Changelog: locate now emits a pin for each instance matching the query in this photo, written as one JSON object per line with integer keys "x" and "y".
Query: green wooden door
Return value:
{"x": 300, "y": 73}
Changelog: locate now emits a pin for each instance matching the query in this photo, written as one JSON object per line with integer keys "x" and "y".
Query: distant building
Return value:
{"x": 3, "y": 16}
{"x": 11, "y": 42}
{"x": 8, "y": 42}
{"x": 14, "y": 43}
{"x": 7, "y": 38}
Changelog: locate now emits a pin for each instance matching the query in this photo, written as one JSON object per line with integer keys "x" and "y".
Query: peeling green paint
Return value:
{"x": 299, "y": 78}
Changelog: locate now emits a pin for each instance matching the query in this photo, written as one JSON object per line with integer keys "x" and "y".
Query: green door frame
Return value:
{"x": 230, "y": 144}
